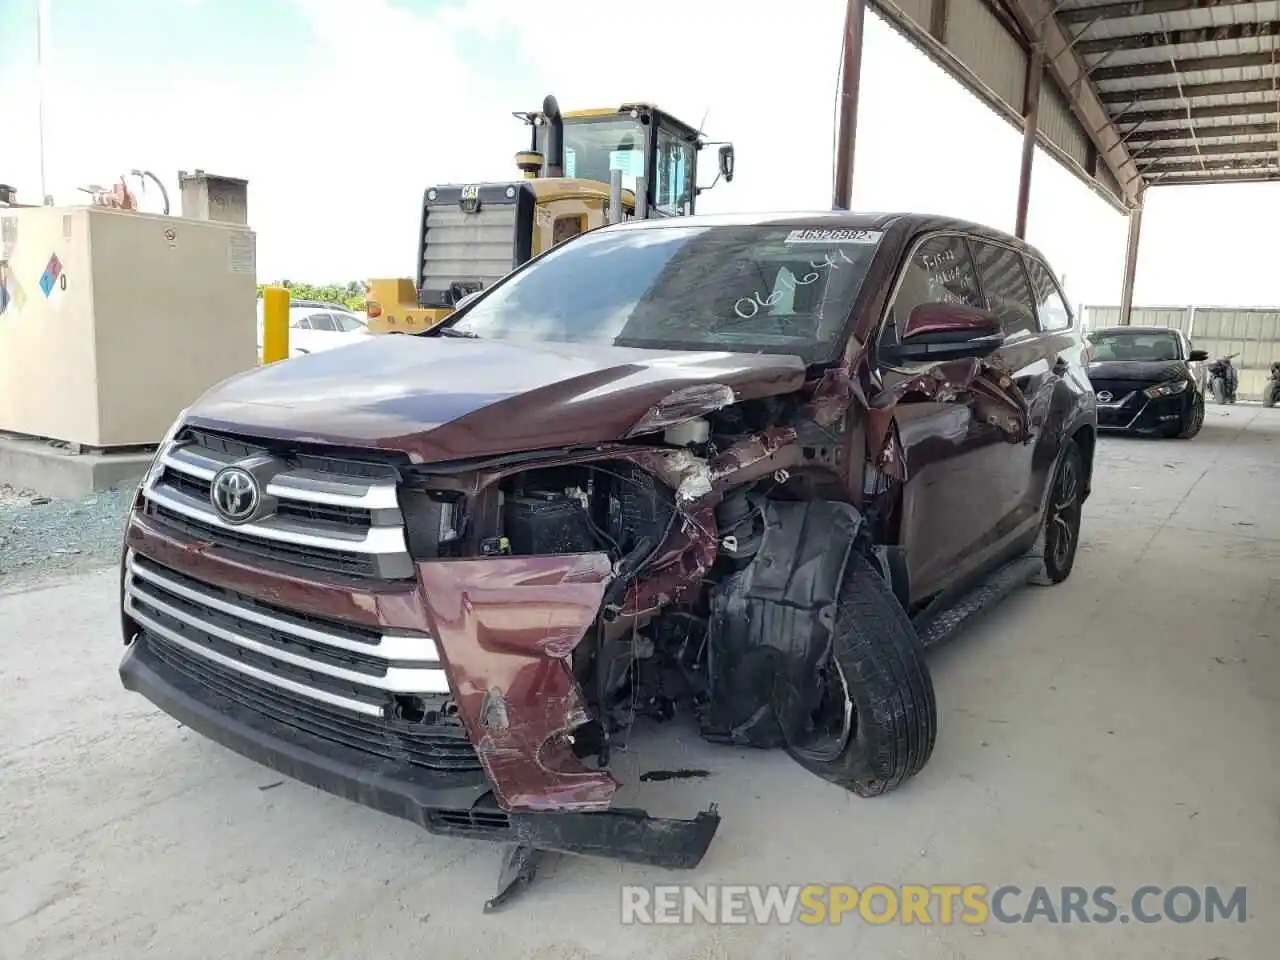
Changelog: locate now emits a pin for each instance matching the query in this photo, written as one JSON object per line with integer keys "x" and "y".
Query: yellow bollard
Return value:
{"x": 275, "y": 324}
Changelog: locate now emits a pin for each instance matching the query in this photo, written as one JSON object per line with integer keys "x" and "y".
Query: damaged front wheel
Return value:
{"x": 876, "y": 717}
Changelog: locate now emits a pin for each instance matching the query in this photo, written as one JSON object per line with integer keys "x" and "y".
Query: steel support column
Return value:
{"x": 1131, "y": 262}
{"x": 850, "y": 73}
{"x": 1030, "y": 124}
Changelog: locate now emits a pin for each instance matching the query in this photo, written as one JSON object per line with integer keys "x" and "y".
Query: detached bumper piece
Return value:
{"x": 452, "y": 798}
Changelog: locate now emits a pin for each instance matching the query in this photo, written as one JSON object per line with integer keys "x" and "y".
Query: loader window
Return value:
{"x": 594, "y": 147}
{"x": 674, "y": 175}
{"x": 754, "y": 288}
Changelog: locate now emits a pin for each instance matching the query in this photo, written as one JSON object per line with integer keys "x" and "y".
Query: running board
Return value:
{"x": 938, "y": 623}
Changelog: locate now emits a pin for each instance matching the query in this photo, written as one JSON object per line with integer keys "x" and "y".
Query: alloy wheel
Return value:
{"x": 1063, "y": 522}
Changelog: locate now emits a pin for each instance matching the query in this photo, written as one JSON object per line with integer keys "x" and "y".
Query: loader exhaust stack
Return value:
{"x": 555, "y": 137}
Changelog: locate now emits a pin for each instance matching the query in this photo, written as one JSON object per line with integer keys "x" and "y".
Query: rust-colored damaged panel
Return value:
{"x": 1001, "y": 403}
{"x": 375, "y": 606}
{"x": 505, "y": 627}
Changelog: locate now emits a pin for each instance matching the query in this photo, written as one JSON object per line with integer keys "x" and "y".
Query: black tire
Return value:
{"x": 1191, "y": 425}
{"x": 1219, "y": 387}
{"x": 1060, "y": 529}
{"x": 879, "y": 682}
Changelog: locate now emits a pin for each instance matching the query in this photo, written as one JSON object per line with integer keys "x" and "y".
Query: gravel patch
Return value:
{"x": 42, "y": 538}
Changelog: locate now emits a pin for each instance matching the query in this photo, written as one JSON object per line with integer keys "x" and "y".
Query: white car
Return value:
{"x": 315, "y": 326}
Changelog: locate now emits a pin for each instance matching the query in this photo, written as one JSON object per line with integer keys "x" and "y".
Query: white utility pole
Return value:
{"x": 42, "y": 13}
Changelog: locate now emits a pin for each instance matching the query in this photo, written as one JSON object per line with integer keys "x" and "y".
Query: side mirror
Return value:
{"x": 945, "y": 331}
{"x": 1198, "y": 355}
{"x": 726, "y": 157}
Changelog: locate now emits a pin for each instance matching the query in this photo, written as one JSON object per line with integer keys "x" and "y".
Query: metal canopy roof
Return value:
{"x": 1192, "y": 85}
{"x": 1136, "y": 94}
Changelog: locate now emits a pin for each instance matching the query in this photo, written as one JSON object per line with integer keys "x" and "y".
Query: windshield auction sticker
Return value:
{"x": 833, "y": 236}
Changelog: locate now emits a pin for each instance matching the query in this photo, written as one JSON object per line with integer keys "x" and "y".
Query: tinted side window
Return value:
{"x": 939, "y": 271}
{"x": 1053, "y": 310}
{"x": 323, "y": 321}
{"x": 1004, "y": 281}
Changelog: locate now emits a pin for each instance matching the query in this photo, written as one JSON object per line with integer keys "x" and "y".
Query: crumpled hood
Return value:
{"x": 1138, "y": 371}
{"x": 438, "y": 398}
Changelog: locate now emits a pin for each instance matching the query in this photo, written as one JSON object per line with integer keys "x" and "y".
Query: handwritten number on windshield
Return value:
{"x": 748, "y": 307}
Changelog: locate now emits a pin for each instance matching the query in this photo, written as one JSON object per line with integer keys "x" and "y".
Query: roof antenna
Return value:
{"x": 702, "y": 124}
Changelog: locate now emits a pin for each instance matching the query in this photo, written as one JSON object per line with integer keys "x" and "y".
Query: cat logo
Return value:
{"x": 470, "y": 201}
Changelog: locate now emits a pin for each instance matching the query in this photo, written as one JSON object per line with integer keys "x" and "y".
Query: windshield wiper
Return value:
{"x": 455, "y": 332}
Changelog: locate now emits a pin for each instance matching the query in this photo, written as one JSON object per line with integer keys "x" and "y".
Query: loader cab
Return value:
{"x": 471, "y": 235}
{"x": 638, "y": 139}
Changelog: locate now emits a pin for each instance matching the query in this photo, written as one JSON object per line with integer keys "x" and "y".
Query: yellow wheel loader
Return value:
{"x": 582, "y": 169}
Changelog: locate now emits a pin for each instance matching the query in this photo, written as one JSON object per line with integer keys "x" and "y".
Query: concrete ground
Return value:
{"x": 1120, "y": 729}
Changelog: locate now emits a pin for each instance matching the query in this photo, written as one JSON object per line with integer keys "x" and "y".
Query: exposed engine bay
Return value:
{"x": 708, "y": 654}
{"x": 726, "y": 537}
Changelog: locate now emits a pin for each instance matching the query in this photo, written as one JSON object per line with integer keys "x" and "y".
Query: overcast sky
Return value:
{"x": 340, "y": 113}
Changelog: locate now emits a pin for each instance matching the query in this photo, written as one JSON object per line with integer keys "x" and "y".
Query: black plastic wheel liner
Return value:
{"x": 770, "y": 624}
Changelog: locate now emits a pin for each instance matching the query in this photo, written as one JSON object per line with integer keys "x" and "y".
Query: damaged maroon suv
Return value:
{"x": 731, "y": 472}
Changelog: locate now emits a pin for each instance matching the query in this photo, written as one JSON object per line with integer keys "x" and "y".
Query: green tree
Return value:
{"x": 350, "y": 295}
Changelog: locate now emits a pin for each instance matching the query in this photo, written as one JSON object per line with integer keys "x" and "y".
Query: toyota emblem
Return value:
{"x": 1104, "y": 396}
{"x": 235, "y": 494}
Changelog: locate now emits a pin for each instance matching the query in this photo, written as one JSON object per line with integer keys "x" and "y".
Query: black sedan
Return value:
{"x": 1147, "y": 380}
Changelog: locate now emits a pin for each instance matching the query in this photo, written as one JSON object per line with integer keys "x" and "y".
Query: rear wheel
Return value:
{"x": 1060, "y": 536}
{"x": 877, "y": 719}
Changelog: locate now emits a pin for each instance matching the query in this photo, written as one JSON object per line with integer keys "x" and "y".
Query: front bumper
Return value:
{"x": 1137, "y": 414}
{"x": 454, "y": 803}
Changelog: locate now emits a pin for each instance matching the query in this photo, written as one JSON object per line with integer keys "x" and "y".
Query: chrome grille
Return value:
{"x": 386, "y": 693}
{"x": 439, "y": 747}
{"x": 331, "y": 514}
{"x": 331, "y": 662}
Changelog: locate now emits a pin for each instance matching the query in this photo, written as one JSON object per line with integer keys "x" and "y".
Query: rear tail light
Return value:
{"x": 1088, "y": 353}
{"x": 373, "y": 309}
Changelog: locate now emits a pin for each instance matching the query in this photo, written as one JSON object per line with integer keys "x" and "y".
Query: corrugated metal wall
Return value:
{"x": 984, "y": 45}
{"x": 1251, "y": 332}
{"x": 1108, "y": 180}
{"x": 917, "y": 10}
{"x": 1059, "y": 124}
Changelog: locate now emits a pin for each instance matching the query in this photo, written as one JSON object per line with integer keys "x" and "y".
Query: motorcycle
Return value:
{"x": 1224, "y": 379}
{"x": 1271, "y": 389}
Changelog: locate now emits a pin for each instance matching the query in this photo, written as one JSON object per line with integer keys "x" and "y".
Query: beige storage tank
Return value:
{"x": 113, "y": 321}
